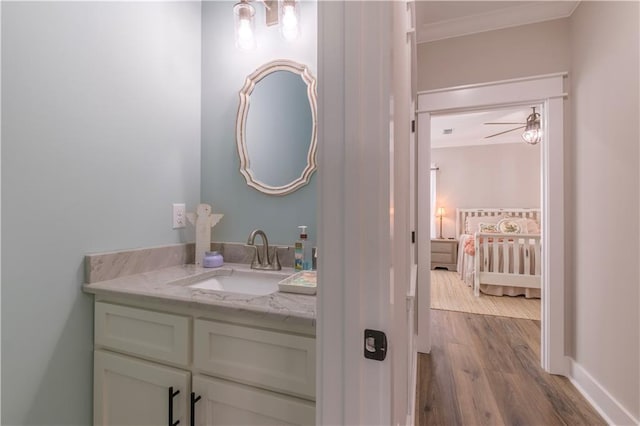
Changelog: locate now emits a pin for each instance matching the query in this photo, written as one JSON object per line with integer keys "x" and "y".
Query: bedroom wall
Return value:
{"x": 604, "y": 46}
{"x": 502, "y": 175}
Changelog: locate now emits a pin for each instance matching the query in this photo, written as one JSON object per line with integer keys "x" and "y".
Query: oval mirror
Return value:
{"x": 276, "y": 127}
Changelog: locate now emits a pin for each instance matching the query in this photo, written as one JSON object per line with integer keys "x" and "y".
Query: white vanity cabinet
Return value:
{"x": 220, "y": 368}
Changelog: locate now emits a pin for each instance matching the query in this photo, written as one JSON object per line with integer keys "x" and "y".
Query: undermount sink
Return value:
{"x": 241, "y": 282}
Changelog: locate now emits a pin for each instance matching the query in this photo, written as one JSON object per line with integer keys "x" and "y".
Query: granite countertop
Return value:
{"x": 170, "y": 284}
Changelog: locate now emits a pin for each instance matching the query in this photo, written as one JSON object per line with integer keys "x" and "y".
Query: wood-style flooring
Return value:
{"x": 485, "y": 370}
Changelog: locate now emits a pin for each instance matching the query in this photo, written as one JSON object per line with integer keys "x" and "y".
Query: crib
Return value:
{"x": 500, "y": 263}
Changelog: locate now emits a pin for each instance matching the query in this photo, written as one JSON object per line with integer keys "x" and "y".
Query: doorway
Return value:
{"x": 544, "y": 90}
{"x": 481, "y": 164}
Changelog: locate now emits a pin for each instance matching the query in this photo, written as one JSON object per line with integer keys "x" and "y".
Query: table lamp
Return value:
{"x": 439, "y": 213}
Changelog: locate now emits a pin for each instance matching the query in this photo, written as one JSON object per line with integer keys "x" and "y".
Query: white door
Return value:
{"x": 364, "y": 260}
{"x": 129, "y": 391}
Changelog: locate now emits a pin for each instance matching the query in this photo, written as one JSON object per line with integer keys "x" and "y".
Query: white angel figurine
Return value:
{"x": 203, "y": 220}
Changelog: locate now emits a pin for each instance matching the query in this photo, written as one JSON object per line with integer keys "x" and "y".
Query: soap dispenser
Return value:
{"x": 302, "y": 251}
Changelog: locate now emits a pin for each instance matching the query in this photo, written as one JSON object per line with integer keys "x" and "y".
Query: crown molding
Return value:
{"x": 498, "y": 19}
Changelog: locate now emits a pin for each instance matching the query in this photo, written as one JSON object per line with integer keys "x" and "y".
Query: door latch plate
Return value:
{"x": 375, "y": 345}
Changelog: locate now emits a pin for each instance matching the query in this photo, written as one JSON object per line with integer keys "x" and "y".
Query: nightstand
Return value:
{"x": 444, "y": 254}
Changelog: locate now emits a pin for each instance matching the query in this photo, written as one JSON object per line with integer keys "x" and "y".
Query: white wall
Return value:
{"x": 523, "y": 51}
{"x": 100, "y": 134}
{"x": 604, "y": 46}
{"x": 492, "y": 176}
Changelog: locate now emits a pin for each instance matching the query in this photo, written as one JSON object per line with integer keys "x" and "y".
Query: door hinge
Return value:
{"x": 413, "y": 237}
{"x": 413, "y": 126}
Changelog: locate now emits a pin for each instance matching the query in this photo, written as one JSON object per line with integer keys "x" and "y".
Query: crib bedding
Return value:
{"x": 466, "y": 266}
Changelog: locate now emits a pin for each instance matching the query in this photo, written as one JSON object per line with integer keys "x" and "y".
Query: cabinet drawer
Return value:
{"x": 154, "y": 335}
{"x": 442, "y": 258}
{"x": 273, "y": 360}
{"x": 442, "y": 247}
{"x": 228, "y": 403}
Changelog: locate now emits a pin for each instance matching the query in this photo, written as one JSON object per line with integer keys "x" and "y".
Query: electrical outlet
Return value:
{"x": 179, "y": 216}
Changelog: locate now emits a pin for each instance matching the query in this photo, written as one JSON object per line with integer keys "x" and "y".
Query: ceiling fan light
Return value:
{"x": 532, "y": 133}
{"x": 532, "y": 137}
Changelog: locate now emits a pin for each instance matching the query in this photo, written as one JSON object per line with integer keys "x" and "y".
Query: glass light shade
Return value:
{"x": 532, "y": 133}
{"x": 289, "y": 19}
{"x": 243, "y": 20}
{"x": 532, "y": 136}
{"x": 440, "y": 212}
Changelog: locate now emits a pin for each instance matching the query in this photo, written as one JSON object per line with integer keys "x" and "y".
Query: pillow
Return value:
{"x": 488, "y": 227}
{"x": 510, "y": 225}
{"x": 472, "y": 223}
{"x": 532, "y": 226}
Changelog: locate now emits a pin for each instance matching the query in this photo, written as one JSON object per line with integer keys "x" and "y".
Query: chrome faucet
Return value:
{"x": 262, "y": 261}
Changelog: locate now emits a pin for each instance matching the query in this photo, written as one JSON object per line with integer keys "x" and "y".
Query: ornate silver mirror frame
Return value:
{"x": 241, "y": 127}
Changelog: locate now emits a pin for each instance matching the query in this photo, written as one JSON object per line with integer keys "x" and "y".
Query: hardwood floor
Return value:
{"x": 485, "y": 370}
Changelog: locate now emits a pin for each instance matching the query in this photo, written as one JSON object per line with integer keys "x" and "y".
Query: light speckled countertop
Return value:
{"x": 170, "y": 284}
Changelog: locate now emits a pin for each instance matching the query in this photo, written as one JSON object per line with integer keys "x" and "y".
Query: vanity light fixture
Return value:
{"x": 243, "y": 23}
{"x": 289, "y": 19}
{"x": 532, "y": 133}
{"x": 286, "y": 12}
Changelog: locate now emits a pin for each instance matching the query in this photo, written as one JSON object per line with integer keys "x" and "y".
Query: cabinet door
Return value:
{"x": 129, "y": 391}
{"x": 228, "y": 403}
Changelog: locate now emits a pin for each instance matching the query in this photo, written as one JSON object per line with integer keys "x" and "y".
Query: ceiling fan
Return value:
{"x": 532, "y": 134}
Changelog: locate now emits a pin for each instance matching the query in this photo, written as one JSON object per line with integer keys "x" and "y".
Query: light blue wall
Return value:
{"x": 101, "y": 133}
{"x": 224, "y": 69}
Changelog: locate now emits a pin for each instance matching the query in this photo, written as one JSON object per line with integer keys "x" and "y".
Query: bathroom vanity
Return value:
{"x": 177, "y": 344}
{"x": 171, "y": 351}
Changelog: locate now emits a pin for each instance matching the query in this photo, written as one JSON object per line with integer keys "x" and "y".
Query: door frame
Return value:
{"x": 547, "y": 90}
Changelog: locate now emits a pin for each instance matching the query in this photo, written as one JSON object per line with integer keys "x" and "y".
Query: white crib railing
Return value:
{"x": 507, "y": 259}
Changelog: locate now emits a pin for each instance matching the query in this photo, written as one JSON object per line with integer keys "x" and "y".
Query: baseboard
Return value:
{"x": 604, "y": 403}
